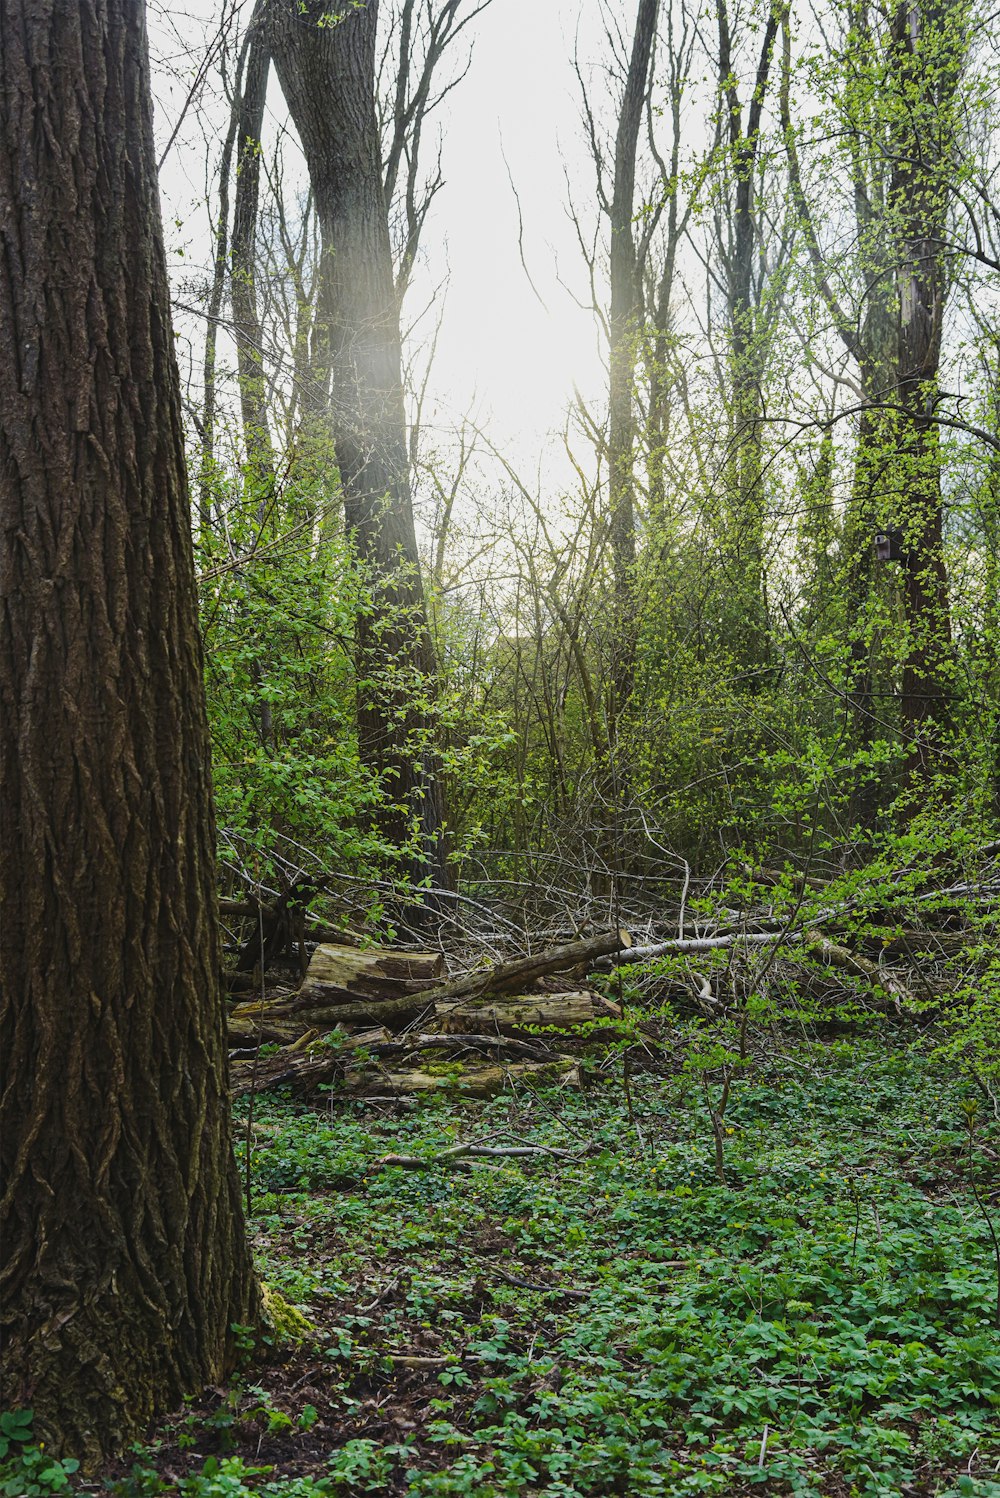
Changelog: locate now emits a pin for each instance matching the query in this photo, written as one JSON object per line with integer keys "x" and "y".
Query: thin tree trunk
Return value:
{"x": 746, "y": 523}
{"x": 927, "y": 51}
{"x": 207, "y": 473}
{"x": 246, "y": 321}
{"x": 625, "y": 322}
{"x": 124, "y": 1259}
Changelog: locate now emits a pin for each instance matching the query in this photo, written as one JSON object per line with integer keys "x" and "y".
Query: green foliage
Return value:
{"x": 838, "y": 1292}
{"x": 225, "y": 1477}
{"x": 280, "y": 610}
{"x": 278, "y": 633}
{"x": 26, "y": 1471}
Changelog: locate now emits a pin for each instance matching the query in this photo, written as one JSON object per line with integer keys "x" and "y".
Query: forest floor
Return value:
{"x": 607, "y": 1316}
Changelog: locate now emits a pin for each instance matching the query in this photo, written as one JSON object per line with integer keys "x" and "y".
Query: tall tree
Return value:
{"x": 900, "y": 113}
{"x": 327, "y": 74}
{"x": 743, "y": 254}
{"x": 626, "y": 271}
{"x": 124, "y": 1259}
{"x": 927, "y": 51}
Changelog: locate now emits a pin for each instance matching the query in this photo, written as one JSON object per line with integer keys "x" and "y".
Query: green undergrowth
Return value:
{"x": 824, "y": 1322}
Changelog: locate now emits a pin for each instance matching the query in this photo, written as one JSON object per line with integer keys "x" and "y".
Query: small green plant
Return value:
{"x": 26, "y": 1471}
{"x": 15, "y": 1429}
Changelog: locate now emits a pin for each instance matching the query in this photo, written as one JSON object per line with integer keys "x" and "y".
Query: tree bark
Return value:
{"x": 124, "y": 1259}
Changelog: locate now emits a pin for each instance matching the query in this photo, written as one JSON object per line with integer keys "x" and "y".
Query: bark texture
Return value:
{"x": 124, "y": 1260}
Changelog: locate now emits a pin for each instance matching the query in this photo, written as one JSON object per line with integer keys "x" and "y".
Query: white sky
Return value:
{"x": 519, "y": 101}
{"x": 501, "y": 355}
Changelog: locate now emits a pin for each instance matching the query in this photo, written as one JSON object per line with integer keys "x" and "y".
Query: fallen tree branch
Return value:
{"x": 709, "y": 944}
{"x": 835, "y": 955}
{"x": 459, "y": 1154}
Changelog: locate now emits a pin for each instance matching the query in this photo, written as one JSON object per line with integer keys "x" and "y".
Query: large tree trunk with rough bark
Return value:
{"x": 327, "y": 74}
{"x": 124, "y": 1259}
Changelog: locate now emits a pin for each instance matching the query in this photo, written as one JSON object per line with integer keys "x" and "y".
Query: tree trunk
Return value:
{"x": 246, "y": 321}
{"x": 748, "y": 336}
{"x": 124, "y": 1259}
{"x": 927, "y": 51}
{"x": 625, "y": 323}
{"x": 327, "y": 74}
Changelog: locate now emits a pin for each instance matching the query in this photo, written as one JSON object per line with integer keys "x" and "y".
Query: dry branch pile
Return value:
{"x": 379, "y": 1023}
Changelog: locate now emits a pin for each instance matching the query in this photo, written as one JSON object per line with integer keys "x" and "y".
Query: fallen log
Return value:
{"x": 305, "y": 1072}
{"x": 479, "y": 1082}
{"x": 511, "y": 976}
{"x": 515, "y": 1014}
{"x": 464, "y": 1154}
{"x": 710, "y": 944}
{"x": 505, "y": 977}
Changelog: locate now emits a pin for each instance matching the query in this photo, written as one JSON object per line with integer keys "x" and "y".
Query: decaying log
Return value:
{"x": 480, "y": 1081}
{"x": 340, "y": 974}
{"x": 305, "y": 1072}
{"x": 514, "y": 1014}
{"x": 505, "y": 977}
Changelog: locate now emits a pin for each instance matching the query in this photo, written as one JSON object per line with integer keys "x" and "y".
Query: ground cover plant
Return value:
{"x": 605, "y": 1315}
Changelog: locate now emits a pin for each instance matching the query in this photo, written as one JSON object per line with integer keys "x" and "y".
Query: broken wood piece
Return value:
{"x": 260, "y": 1028}
{"x": 303, "y": 1070}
